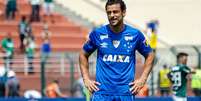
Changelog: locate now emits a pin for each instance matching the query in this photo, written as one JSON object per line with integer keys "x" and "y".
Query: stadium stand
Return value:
{"x": 66, "y": 36}
{"x": 62, "y": 29}
{"x": 82, "y": 8}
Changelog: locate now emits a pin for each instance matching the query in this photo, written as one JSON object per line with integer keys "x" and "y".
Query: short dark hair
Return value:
{"x": 121, "y": 2}
{"x": 181, "y": 54}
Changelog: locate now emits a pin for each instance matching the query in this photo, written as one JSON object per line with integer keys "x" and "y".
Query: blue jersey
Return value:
{"x": 115, "y": 67}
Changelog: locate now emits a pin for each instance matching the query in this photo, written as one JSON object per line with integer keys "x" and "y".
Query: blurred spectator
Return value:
{"x": 49, "y": 8}
{"x": 32, "y": 94}
{"x": 11, "y": 8}
{"x": 196, "y": 82}
{"x": 46, "y": 34}
{"x": 29, "y": 29}
{"x": 45, "y": 50}
{"x": 29, "y": 50}
{"x": 53, "y": 90}
{"x": 13, "y": 84}
{"x": 8, "y": 49}
{"x": 35, "y": 14}
{"x": 3, "y": 79}
{"x": 163, "y": 81}
{"x": 79, "y": 88}
{"x": 144, "y": 92}
{"x": 152, "y": 28}
{"x": 22, "y": 27}
{"x": 45, "y": 25}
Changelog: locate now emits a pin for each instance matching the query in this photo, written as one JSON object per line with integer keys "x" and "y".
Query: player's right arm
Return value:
{"x": 88, "y": 48}
{"x": 84, "y": 64}
{"x": 91, "y": 85}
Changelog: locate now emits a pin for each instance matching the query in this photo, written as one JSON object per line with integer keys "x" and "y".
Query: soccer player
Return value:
{"x": 178, "y": 75}
{"x": 116, "y": 44}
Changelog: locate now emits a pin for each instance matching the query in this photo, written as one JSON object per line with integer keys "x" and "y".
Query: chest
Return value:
{"x": 122, "y": 44}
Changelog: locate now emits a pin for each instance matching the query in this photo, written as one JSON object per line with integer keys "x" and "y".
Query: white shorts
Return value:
{"x": 48, "y": 8}
{"x": 177, "y": 98}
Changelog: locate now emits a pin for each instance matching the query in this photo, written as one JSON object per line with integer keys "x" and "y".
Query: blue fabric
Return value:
{"x": 116, "y": 57}
{"x": 83, "y": 99}
{"x": 102, "y": 97}
{"x": 46, "y": 48}
{"x": 152, "y": 26}
{"x": 3, "y": 78}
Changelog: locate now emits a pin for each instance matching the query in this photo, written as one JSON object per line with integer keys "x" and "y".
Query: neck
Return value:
{"x": 182, "y": 63}
{"x": 118, "y": 28}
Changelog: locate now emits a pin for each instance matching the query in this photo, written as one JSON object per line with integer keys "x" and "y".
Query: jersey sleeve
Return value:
{"x": 186, "y": 69}
{"x": 143, "y": 46}
{"x": 90, "y": 45}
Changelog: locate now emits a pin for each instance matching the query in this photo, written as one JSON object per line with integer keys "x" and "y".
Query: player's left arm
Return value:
{"x": 189, "y": 70}
{"x": 139, "y": 83}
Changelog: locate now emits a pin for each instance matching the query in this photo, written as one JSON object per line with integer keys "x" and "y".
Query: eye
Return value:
{"x": 108, "y": 12}
{"x": 115, "y": 11}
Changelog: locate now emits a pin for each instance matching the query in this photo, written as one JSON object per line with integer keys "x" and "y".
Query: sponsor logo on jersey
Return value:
{"x": 128, "y": 38}
{"x": 103, "y": 45}
{"x": 105, "y": 36}
{"x": 175, "y": 68}
{"x": 115, "y": 43}
{"x": 116, "y": 58}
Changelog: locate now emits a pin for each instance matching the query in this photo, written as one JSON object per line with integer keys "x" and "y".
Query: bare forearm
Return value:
{"x": 138, "y": 84}
{"x": 147, "y": 66}
{"x": 84, "y": 65}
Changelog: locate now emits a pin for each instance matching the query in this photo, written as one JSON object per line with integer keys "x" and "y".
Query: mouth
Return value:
{"x": 113, "y": 20}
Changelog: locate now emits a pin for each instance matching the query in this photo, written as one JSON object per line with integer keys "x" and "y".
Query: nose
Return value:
{"x": 112, "y": 14}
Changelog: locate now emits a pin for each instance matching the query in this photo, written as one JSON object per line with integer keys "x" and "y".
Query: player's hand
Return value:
{"x": 91, "y": 85}
{"x": 136, "y": 86}
{"x": 193, "y": 71}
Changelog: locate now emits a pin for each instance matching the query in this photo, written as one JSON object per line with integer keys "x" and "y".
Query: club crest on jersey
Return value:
{"x": 115, "y": 43}
{"x": 116, "y": 58}
{"x": 104, "y": 36}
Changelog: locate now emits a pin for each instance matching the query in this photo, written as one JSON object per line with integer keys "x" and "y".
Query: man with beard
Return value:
{"x": 116, "y": 44}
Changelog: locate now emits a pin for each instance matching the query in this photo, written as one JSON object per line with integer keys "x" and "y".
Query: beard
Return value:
{"x": 116, "y": 23}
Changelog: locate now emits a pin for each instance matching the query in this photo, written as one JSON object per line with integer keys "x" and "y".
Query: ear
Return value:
{"x": 124, "y": 13}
